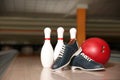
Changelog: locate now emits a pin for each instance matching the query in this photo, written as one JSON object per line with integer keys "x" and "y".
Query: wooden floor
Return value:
{"x": 29, "y": 68}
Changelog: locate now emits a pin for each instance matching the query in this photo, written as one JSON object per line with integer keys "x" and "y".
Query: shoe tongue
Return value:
{"x": 71, "y": 41}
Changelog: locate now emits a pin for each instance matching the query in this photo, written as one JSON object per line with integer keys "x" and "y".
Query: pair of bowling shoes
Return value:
{"x": 72, "y": 55}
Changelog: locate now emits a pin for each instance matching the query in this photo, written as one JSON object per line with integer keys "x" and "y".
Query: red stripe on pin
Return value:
{"x": 60, "y": 38}
{"x": 47, "y": 38}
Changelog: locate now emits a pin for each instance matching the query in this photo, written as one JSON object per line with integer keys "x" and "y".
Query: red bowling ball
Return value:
{"x": 97, "y": 49}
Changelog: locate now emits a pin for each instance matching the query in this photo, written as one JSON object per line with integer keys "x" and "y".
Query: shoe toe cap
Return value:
{"x": 99, "y": 67}
{"x": 54, "y": 66}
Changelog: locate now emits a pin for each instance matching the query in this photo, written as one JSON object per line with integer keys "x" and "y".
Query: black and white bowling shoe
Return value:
{"x": 84, "y": 62}
{"x": 66, "y": 54}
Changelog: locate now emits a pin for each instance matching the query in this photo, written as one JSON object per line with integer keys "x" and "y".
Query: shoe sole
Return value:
{"x": 96, "y": 69}
{"x": 76, "y": 53}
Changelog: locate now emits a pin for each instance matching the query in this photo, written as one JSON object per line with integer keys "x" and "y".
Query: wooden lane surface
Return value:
{"x": 29, "y": 68}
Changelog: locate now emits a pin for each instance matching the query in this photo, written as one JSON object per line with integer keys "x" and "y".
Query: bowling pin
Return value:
{"x": 60, "y": 32}
{"x": 73, "y": 33}
{"x": 47, "y": 50}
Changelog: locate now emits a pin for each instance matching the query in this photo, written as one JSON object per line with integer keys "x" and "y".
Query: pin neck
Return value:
{"x": 47, "y": 38}
{"x": 60, "y": 38}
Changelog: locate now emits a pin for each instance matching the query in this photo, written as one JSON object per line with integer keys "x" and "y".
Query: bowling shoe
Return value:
{"x": 66, "y": 54}
{"x": 83, "y": 62}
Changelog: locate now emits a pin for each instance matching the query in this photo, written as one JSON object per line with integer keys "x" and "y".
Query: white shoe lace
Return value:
{"x": 86, "y": 57}
{"x": 62, "y": 51}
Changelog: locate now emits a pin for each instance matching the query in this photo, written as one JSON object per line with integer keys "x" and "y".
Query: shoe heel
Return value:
{"x": 73, "y": 68}
{"x": 78, "y": 51}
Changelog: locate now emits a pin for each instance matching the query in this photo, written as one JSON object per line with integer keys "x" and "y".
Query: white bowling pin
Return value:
{"x": 60, "y": 43}
{"x": 47, "y": 50}
{"x": 73, "y": 33}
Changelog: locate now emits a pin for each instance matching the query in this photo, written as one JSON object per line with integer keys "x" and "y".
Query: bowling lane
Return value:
{"x": 6, "y": 58}
{"x": 29, "y": 68}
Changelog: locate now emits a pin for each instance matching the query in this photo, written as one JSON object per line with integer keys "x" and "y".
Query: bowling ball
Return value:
{"x": 97, "y": 49}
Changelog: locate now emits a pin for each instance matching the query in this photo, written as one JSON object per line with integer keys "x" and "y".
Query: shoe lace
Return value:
{"x": 86, "y": 57}
{"x": 62, "y": 51}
